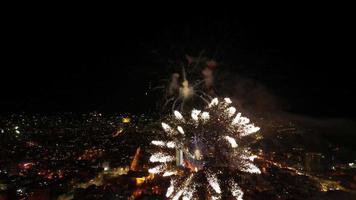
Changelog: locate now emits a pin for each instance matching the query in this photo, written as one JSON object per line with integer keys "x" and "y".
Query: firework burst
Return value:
{"x": 197, "y": 152}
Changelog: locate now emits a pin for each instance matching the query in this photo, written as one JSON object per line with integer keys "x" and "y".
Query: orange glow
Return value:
{"x": 126, "y": 120}
{"x": 91, "y": 154}
{"x": 134, "y": 163}
{"x": 140, "y": 181}
{"x": 137, "y": 193}
{"x": 26, "y": 166}
{"x": 156, "y": 190}
{"x": 118, "y": 132}
{"x": 150, "y": 177}
{"x": 190, "y": 166}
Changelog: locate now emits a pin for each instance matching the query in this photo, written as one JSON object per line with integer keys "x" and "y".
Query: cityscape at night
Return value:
{"x": 190, "y": 107}
{"x": 98, "y": 156}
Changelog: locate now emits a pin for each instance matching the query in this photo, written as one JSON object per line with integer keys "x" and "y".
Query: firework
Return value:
{"x": 197, "y": 150}
{"x": 190, "y": 84}
{"x": 181, "y": 91}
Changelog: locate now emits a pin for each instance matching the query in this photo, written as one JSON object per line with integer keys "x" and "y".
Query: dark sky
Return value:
{"x": 87, "y": 64}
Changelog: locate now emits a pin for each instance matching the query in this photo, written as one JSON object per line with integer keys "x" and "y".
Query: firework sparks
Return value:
{"x": 160, "y": 157}
{"x": 213, "y": 182}
{"x": 236, "y": 190}
{"x": 191, "y": 85}
{"x": 232, "y": 141}
{"x": 170, "y": 189}
{"x": 207, "y": 140}
{"x": 169, "y": 173}
{"x": 157, "y": 169}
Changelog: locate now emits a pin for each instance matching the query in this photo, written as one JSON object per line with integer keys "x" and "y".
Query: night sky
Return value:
{"x": 86, "y": 64}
